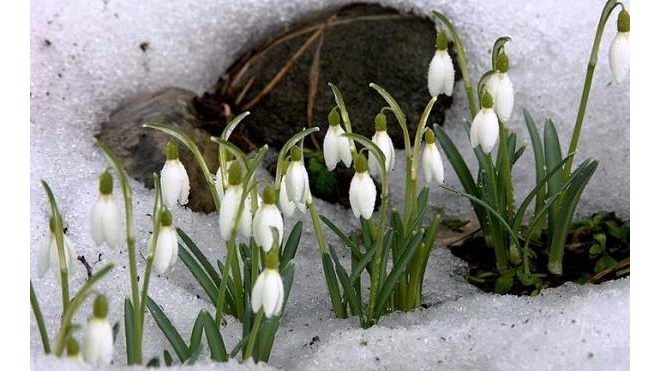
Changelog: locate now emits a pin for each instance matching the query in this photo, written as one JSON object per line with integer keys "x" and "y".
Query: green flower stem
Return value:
{"x": 253, "y": 335}
{"x": 591, "y": 66}
{"x": 43, "y": 333}
{"x": 462, "y": 62}
{"x": 157, "y": 209}
{"x": 220, "y": 303}
{"x": 499, "y": 245}
{"x": 339, "y": 100}
{"x": 65, "y": 329}
{"x": 59, "y": 240}
{"x": 130, "y": 244}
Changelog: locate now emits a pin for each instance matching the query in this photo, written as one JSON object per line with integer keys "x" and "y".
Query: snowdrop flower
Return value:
{"x": 105, "y": 215}
{"x": 484, "y": 131}
{"x": 268, "y": 290}
{"x": 297, "y": 181}
{"x": 335, "y": 146}
{"x": 173, "y": 178}
{"x": 73, "y": 350}
{"x": 267, "y": 216}
{"x": 362, "y": 191}
{"x": 229, "y": 207}
{"x": 167, "y": 245}
{"x": 431, "y": 160}
{"x": 48, "y": 256}
{"x": 441, "y": 70}
{"x": 620, "y": 48}
{"x": 384, "y": 142}
{"x": 499, "y": 86}
{"x": 97, "y": 339}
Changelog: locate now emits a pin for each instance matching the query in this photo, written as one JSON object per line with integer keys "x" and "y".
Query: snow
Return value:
{"x": 92, "y": 62}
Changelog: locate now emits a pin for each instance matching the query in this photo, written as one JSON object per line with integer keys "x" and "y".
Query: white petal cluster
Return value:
{"x": 228, "y": 214}
{"x": 484, "y": 131}
{"x": 105, "y": 221}
{"x": 432, "y": 161}
{"x": 174, "y": 183}
{"x": 441, "y": 74}
{"x": 362, "y": 190}
{"x": 336, "y": 148}
{"x": 441, "y": 69}
{"x": 499, "y": 86}
{"x": 297, "y": 184}
{"x": 167, "y": 249}
{"x": 48, "y": 256}
{"x": 97, "y": 342}
{"x": 384, "y": 142}
{"x": 268, "y": 293}
{"x": 266, "y": 217}
{"x": 620, "y": 48}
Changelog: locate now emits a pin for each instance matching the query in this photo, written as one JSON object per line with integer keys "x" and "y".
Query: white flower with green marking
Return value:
{"x": 105, "y": 222}
{"x": 620, "y": 48}
{"x": 384, "y": 143}
{"x": 441, "y": 69}
{"x": 431, "y": 160}
{"x": 484, "y": 131}
{"x": 297, "y": 181}
{"x": 174, "y": 181}
{"x": 362, "y": 190}
{"x": 336, "y": 147}
{"x": 266, "y": 217}
{"x": 499, "y": 86}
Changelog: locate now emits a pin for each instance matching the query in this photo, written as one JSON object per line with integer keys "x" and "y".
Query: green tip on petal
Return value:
{"x": 333, "y": 117}
{"x": 360, "y": 163}
{"x": 623, "y": 23}
{"x": 165, "y": 217}
{"x": 172, "y": 150}
{"x": 100, "y": 307}
{"x": 381, "y": 122}
{"x": 105, "y": 183}
{"x": 441, "y": 40}
{"x": 487, "y": 100}
{"x": 296, "y": 154}
{"x": 502, "y": 63}
{"x": 270, "y": 196}
{"x": 234, "y": 175}
{"x": 72, "y": 347}
{"x": 429, "y": 137}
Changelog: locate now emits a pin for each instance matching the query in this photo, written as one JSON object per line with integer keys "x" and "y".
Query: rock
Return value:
{"x": 141, "y": 150}
{"x": 361, "y": 44}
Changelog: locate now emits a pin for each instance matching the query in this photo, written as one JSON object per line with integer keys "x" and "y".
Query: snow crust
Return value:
{"x": 86, "y": 60}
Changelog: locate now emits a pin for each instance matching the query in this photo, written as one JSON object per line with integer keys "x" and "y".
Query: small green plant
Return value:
{"x": 558, "y": 186}
{"x": 399, "y": 238}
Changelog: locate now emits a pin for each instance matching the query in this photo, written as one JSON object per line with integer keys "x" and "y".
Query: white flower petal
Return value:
{"x": 362, "y": 195}
{"x": 273, "y": 292}
{"x": 258, "y": 292}
{"x": 448, "y": 81}
{"x": 499, "y": 86}
{"x": 43, "y": 256}
{"x": 331, "y": 148}
{"x": 441, "y": 74}
{"x": 266, "y": 217}
{"x": 288, "y": 208}
{"x": 174, "y": 183}
{"x": 432, "y": 164}
{"x": 228, "y": 211}
{"x": 297, "y": 183}
{"x": 385, "y": 144}
{"x": 166, "y": 250}
{"x": 489, "y": 131}
{"x": 219, "y": 185}
{"x": 619, "y": 56}
{"x": 474, "y": 129}
{"x": 245, "y": 222}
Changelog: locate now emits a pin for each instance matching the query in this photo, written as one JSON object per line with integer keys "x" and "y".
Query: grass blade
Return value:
{"x": 43, "y": 333}
{"x": 196, "y": 334}
{"x": 349, "y": 294}
{"x": 214, "y": 339}
{"x": 333, "y": 286}
{"x": 171, "y": 334}
{"x": 128, "y": 331}
{"x": 347, "y": 241}
{"x": 196, "y": 270}
{"x": 205, "y": 263}
{"x": 552, "y": 158}
{"x": 291, "y": 244}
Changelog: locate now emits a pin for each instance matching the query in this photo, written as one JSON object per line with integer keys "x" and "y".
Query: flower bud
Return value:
{"x": 97, "y": 342}
{"x": 174, "y": 181}
{"x": 104, "y": 219}
{"x": 619, "y": 54}
{"x": 362, "y": 190}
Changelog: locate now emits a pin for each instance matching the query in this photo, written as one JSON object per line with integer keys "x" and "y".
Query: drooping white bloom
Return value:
{"x": 441, "y": 69}
{"x": 167, "y": 245}
{"x": 362, "y": 190}
{"x": 97, "y": 342}
{"x": 174, "y": 181}
{"x": 268, "y": 293}
{"x": 620, "y": 48}
{"x": 484, "y": 131}
{"x": 288, "y": 208}
{"x": 432, "y": 161}
{"x": 384, "y": 142}
{"x": 266, "y": 217}
{"x": 297, "y": 181}
{"x": 105, "y": 224}
{"x": 335, "y": 146}
{"x": 228, "y": 215}
{"x": 48, "y": 256}
{"x": 499, "y": 86}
